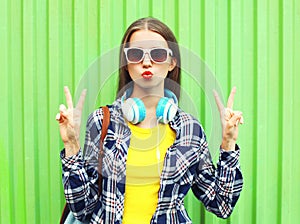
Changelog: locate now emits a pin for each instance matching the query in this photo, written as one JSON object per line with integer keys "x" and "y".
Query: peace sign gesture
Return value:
{"x": 69, "y": 120}
{"x": 230, "y": 120}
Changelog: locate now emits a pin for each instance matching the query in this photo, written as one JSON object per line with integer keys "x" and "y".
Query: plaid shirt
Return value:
{"x": 187, "y": 165}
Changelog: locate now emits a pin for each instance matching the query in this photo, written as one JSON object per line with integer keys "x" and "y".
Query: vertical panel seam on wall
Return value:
{"x": 98, "y": 28}
{"x": 9, "y": 120}
{"x": 86, "y": 39}
{"x": 255, "y": 98}
{"x": 22, "y": 100}
{"x": 73, "y": 49}
{"x": 280, "y": 109}
{"x": 295, "y": 90}
{"x": 60, "y": 53}
{"x": 124, "y": 14}
{"x": 36, "y": 151}
{"x": 150, "y": 8}
{"x": 48, "y": 97}
{"x": 10, "y": 110}
{"x": 229, "y": 80}
{"x": 216, "y": 46}
{"x": 176, "y": 25}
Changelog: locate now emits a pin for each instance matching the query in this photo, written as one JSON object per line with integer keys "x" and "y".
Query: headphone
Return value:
{"x": 134, "y": 109}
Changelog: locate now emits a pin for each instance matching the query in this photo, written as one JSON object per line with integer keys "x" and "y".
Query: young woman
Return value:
{"x": 154, "y": 151}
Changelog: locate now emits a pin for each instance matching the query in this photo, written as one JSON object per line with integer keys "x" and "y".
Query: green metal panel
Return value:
{"x": 253, "y": 45}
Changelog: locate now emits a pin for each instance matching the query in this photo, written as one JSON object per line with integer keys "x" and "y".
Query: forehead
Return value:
{"x": 147, "y": 39}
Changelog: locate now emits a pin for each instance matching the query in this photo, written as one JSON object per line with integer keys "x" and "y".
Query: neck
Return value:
{"x": 150, "y": 96}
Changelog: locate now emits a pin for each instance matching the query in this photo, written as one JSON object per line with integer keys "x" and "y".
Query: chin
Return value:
{"x": 149, "y": 83}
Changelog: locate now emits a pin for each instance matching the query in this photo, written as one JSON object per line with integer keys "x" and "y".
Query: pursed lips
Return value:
{"x": 147, "y": 75}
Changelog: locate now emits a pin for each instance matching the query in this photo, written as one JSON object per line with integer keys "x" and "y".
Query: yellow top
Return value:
{"x": 146, "y": 154}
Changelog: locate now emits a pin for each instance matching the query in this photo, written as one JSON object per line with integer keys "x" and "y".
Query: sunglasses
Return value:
{"x": 157, "y": 55}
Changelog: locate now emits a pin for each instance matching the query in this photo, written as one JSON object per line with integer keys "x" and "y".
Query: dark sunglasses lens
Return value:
{"x": 134, "y": 55}
{"x": 159, "y": 55}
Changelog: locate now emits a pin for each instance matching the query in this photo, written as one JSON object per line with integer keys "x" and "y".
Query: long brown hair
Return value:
{"x": 157, "y": 26}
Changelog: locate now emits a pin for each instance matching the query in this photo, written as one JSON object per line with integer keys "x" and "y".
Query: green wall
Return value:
{"x": 253, "y": 45}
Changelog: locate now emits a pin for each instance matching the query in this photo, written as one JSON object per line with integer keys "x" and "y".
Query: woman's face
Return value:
{"x": 148, "y": 73}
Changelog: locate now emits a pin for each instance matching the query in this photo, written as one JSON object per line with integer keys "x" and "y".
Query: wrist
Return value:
{"x": 71, "y": 148}
{"x": 228, "y": 144}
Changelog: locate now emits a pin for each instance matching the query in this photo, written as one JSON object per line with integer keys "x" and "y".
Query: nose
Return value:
{"x": 147, "y": 61}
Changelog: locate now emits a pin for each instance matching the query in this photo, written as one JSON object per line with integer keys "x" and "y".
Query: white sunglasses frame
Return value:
{"x": 169, "y": 52}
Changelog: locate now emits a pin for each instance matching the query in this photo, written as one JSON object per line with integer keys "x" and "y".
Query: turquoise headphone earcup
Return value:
{"x": 166, "y": 110}
{"x": 134, "y": 110}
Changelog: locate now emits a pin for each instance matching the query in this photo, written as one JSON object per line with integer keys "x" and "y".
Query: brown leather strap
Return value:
{"x": 65, "y": 214}
{"x": 105, "y": 123}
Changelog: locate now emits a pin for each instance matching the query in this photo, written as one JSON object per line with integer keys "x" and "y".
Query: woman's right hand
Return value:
{"x": 69, "y": 120}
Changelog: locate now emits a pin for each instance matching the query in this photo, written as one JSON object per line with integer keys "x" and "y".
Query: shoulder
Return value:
{"x": 96, "y": 117}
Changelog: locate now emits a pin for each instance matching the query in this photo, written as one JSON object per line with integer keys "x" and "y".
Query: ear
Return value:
{"x": 172, "y": 64}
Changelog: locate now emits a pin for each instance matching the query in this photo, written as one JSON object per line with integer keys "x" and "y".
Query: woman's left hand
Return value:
{"x": 230, "y": 120}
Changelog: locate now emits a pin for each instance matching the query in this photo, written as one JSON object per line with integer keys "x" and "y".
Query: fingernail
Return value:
{"x": 61, "y": 107}
{"x": 236, "y": 123}
{"x": 242, "y": 120}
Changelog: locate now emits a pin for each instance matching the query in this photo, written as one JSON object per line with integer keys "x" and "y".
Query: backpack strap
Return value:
{"x": 105, "y": 124}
